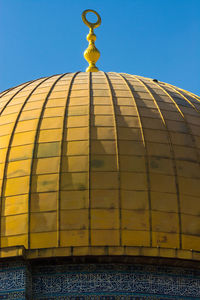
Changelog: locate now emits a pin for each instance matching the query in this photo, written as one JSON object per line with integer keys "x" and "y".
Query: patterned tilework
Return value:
{"x": 90, "y": 281}
{"x": 21, "y": 280}
{"x": 14, "y": 280}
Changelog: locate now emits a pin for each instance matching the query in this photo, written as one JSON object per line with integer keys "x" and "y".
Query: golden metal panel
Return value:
{"x": 18, "y": 168}
{"x": 158, "y": 149}
{"x": 6, "y": 129}
{"x": 131, "y": 148}
{"x": 188, "y": 169}
{"x": 56, "y": 103}
{"x": 75, "y": 148}
{"x": 105, "y": 219}
{"x": 21, "y": 152}
{"x": 29, "y": 115}
{"x": 165, "y": 239}
{"x": 104, "y": 180}
{"x": 3, "y": 155}
{"x": 74, "y": 200}
{"x": 74, "y": 181}
{"x": 162, "y": 183}
{"x": 191, "y": 242}
{"x": 103, "y": 147}
{"x": 135, "y": 219}
{"x": 137, "y": 200}
{"x": 2, "y": 171}
{"x": 43, "y": 221}
{"x": 35, "y": 104}
{"x": 186, "y": 153}
{"x": 101, "y": 100}
{"x": 103, "y": 163}
{"x": 51, "y": 123}
{"x": 102, "y": 110}
{"x": 43, "y": 202}
{"x": 77, "y": 121}
{"x": 9, "y": 241}
{"x": 75, "y": 134}
{"x": 161, "y": 165}
{"x": 75, "y": 164}
{"x": 45, "y": 183}
{"x": 104, "y": 237}
{"x": 16, "y": 186}
{"x": 104, "y": 199}
{"x": 28, "y": 125}
{"x": 165, "y": 222}
{"x": 79, "y": 110}
{"x": 135, "y": 238}
{"x": 189, "y": 184}
{"x": 74, "y": 237}
{"x": 164, "y": 201}
{"x": 4, "y": 140}
{"x": 189, "y": 205}
{"x": 23, "y": 138}
{"x": 99, "y": 120}
{"x": 128, "y": 121}
{"x": 15, "y": 205}
{"x": 74, "y": 219}
{"x": 7, "y": 119}
{"x": 43, "y": 240}
{"x": 11, "y": 109}
{"x": 46, "y": 165}
{"x": 53, "y": 112}
{"x": 129, "y": 134}
{"x": 14, "y": 225}
{"x": 103, "y": 133}
{"x": 133, "y": 181}
{"x": 132, "y": 163}
{"x": 49, "y": 135}
{"x": 48, "y": 149}
{"x": 190, "y": 224}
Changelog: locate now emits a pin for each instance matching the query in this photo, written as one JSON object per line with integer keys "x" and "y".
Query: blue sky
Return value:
{"x": 152, "y": 38}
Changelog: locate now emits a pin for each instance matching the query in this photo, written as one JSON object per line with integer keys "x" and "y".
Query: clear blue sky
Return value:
{"x": 151, "y": 38}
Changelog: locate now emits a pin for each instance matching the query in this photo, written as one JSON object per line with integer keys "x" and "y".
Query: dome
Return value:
{"x": 100, "y": 164}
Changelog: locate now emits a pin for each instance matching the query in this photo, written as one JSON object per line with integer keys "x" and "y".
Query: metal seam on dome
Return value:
{"x": 12, "y": 88}
{"x": 17, "y": 92}
{"x": 7, "y": 91}
{"x": 192, "y": 135}
{"x": 173, "y": 161}
{"x": 193, "y": 105}
{"x": 187, "y": 92}
{"x": 177, "y": 183}
{"x": 10, "y": 142}
{"x": 34, "y": 148}
{"x": 146, "y": 153}
{"x": 185, "y": 120}
{"x": 90, "y": 95}
{"x": 117, "y": 154}
{"x": 61, "y": 153}
{"x": 187, "y": 100}
{"x": 188, "y": 126}
{"x": 191, "y": 95}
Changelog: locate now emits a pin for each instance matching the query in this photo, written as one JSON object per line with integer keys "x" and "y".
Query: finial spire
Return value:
{"x": 91, "y": 54}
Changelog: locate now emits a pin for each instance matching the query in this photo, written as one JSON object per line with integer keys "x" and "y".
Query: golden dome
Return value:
{"x": 100, "y": 164}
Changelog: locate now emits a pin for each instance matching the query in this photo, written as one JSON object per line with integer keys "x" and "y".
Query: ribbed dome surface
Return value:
{"x": 107, "y": 161}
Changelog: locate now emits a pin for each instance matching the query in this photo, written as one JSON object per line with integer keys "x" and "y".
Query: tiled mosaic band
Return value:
{"x": 97, "y": 281}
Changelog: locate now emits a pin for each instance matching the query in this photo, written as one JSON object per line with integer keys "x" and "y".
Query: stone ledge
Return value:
{"x": 99, "y": 251}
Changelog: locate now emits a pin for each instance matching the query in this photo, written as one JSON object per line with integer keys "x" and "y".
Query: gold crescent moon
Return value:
{"x": 89, "y": 24}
